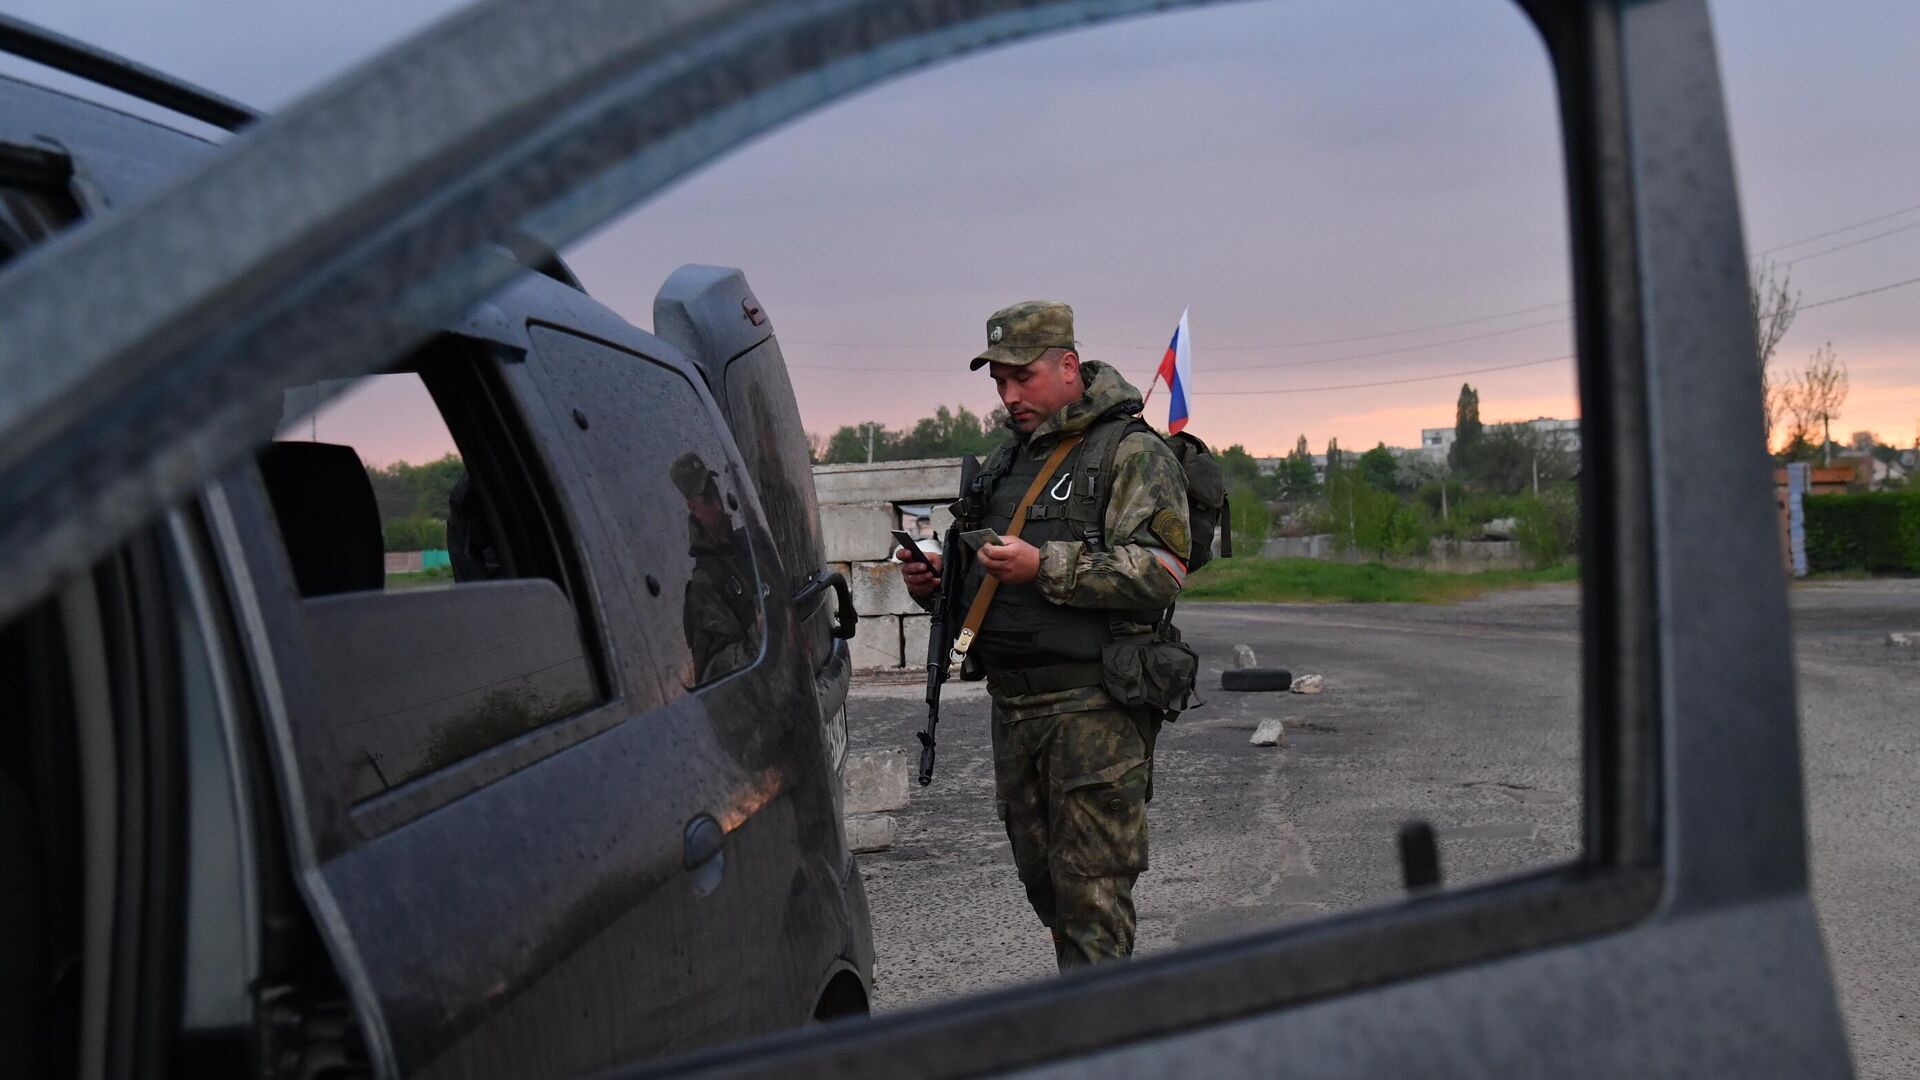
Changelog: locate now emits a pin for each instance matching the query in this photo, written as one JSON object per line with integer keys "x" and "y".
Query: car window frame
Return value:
{"x": 247, "y": 536}
{"x": 1638, "y": 259}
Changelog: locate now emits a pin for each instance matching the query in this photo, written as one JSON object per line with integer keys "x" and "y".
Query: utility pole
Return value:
{"x": 869, "y": 443}
{"x": 1536, "y": 475}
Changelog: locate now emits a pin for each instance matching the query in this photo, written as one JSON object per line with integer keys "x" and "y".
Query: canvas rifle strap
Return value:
{"x": 977, "y": 612}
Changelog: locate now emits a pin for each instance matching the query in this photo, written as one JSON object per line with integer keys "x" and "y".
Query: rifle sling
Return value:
{"x": 977, "y": 611}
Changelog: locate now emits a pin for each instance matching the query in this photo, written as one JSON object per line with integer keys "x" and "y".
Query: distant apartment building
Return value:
{"x": 1435, "y": 442}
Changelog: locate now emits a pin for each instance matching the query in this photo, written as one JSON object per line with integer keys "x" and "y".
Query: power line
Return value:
{"x": 880, "y": 345}
{"x": 1838, "y": 231}
{"x": 1858, "y": 295}
{"x": 896, "y": 370}
{"x": 1389, "y": 352}
{"x": 1351, "y": 356}
{"x": 1382, "y": 382}
{"x": 1297, "y": 363}
{"x": 1852, "y": 243}
{"x": 1509, "y": 367}
{"x": 1359, "y": 337}
{"x": 1214, "y": 348}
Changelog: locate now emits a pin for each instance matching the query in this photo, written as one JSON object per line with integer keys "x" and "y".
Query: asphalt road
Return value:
{"x": 1860, "y": 734}
{"x": 1463, "y": 715}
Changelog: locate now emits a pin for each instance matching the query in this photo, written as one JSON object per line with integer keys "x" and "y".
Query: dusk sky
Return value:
{"x": 1345, "y": 194}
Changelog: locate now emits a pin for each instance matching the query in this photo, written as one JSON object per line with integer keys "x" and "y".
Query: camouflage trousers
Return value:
{"x": 1072, "y": 788}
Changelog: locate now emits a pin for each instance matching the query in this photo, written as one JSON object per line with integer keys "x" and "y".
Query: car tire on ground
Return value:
{"x": 1257, "y": 678}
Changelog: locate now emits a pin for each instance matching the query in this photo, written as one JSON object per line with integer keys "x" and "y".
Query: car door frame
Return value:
{"x": 1687, "y": 649}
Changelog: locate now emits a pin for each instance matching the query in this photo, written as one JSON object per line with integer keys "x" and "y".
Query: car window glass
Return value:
{"x": 414, "y": 472}
{"x": 1378, "y": 349}
{"x": 663, "y": 475}
{"x": 439, "y": 619}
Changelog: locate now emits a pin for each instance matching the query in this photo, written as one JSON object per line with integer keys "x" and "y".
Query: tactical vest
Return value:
{"x": 1023, "y": 629}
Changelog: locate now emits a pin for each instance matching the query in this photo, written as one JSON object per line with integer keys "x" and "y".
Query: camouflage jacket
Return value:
{"x": 1146, "y": 521}
{"x": 1146, "y": 532}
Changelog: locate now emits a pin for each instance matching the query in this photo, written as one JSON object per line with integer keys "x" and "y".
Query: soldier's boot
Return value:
{"x": 1095, "y": 919}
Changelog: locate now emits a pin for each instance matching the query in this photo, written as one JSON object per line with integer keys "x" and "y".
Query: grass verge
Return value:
{"x": 1283, "y": 580}
{"x": 439, "y": 575}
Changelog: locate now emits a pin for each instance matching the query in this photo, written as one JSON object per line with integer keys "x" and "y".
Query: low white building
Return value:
{"x": 1437, "y": 442}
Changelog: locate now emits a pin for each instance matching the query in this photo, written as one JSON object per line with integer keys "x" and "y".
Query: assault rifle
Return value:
{"x": 947, "y": 616}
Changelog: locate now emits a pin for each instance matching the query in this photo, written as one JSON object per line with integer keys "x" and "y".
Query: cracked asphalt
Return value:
{"x": 1464, "y": 715}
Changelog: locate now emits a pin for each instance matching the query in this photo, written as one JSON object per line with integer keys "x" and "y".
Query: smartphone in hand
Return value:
{"x": 912, "y": 548}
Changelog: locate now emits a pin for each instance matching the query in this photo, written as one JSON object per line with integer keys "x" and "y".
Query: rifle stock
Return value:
{"x": 946, "y": 612}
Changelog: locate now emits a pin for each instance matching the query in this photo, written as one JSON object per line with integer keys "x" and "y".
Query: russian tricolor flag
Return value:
{"x": 1176, "y": 368}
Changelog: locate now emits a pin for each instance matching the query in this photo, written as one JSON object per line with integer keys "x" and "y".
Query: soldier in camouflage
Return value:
{"x": 1073, "y": 767}
{"x": 719, "y": 613}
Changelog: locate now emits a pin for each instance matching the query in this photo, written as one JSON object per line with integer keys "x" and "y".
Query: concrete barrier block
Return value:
{"x": 927, "y": 480}
{"x": 877, "y": 780}
{"x": 913, "y": 639}
{"x": 878, "y": 590}
{"x": 858, "y": 532}
{"x": 876, "y": 642}
{"x": 870, "y": 832}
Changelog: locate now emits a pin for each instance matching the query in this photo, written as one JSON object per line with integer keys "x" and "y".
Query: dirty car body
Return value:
{"x": 502, "y": 817}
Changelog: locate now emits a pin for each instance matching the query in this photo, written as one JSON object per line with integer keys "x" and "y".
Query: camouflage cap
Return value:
{"x": 690, "y": 474}
{"x": 1017, "y": 335}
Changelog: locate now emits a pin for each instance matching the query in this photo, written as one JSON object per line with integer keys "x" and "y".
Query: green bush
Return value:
{"x": 415, "y": 533}
{"x": 1874, "y": 531}
{"x": 1364, "y": 518}
{"x": 1548, "y": 528}
{"x": 1468, "y": 512}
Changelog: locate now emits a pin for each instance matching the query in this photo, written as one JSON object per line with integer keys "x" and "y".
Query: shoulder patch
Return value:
{"x": 1167, "y": 527}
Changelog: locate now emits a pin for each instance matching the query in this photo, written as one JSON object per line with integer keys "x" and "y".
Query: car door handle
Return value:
{"x": 846, "y": 618}
{"x": 704, "y": 853}
{"x": 704, "y": 842}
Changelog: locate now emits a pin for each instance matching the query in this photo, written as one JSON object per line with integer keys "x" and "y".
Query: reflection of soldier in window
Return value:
{"x": 720, "y": 613}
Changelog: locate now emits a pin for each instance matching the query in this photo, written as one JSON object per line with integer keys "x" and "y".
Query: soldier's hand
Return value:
{"x": 1013, "y": 560}
{"x": 921, "y": 582}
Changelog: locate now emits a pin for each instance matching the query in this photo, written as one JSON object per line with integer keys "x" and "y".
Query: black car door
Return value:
{"x": 554, "y": 802}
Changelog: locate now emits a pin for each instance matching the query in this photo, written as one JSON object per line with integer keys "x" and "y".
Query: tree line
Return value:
{"x": 947, "y": 433}
{"x": 413, "y": 501}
